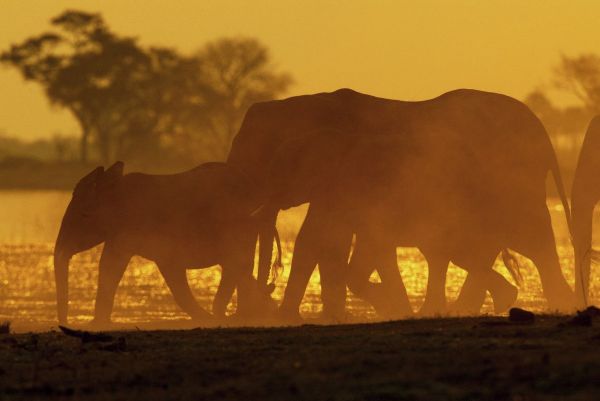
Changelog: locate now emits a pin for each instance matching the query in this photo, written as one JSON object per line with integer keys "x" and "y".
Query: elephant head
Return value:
{"x": 584, "y": 196}
{"x": 83, "y": 226}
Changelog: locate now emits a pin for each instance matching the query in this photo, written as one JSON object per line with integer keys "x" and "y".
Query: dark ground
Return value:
{"x": 460, "y": 358}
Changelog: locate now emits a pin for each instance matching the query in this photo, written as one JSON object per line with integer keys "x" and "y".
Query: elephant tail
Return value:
{"x": 277, "y": 266}
{"x": 561, "y": 191}
{"x": 512, "y": 265}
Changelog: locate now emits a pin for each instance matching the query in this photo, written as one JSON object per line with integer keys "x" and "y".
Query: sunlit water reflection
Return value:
{"x": 27, "y": 293}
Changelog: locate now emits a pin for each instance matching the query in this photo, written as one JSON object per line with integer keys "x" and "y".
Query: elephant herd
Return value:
{"x": 462, "y": 177}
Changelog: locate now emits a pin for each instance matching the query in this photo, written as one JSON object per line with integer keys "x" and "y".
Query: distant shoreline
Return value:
{"x": 31, "y": 174}
{"x": 37, "y": 175}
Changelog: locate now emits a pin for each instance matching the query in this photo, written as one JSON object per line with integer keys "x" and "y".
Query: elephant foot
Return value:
{"x": 241, "y": 319}
{"x": 396, "y": 312}
{"x": 325, "y": 319}
{"x": 205, "y": 319}
{"x": 562, "y": 299}
{"x": 566, "y": 305}
{"x": 221, "y": 320}
{"x": 335, "y": 315}
{"x": 431, "y": 309}
{"x": 506, "y": 299}
{"x": 471, "y": 297}
{"x": 462, "y": 308}
{"x": 289, "y": 318}
{"x": 100, "y": 324}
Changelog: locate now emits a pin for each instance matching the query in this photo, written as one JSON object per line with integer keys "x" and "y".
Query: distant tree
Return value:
{"x": 239, "y": 72}
{"x": 580, "y": 76}
{"x": 123, "y": 96}
{"x": 564, "y": 125}
{"x": 136, "y": 103}
{"x": 63, "y": 147}
{"x": 82, "y": 67}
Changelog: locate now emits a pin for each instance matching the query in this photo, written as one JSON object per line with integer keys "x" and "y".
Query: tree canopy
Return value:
{"x": 149, "y": 105}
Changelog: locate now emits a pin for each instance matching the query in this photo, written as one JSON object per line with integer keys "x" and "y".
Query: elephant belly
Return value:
{"x": 186, "y": 248}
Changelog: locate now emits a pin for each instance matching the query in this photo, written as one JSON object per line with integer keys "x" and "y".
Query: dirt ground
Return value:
{"x": 422, "y": 359}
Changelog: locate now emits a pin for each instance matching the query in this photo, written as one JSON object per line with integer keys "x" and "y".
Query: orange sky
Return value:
{"x": 401, "y": 49}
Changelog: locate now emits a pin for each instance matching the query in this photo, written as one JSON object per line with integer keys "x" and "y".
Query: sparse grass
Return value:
{"x": 447, "y": 359}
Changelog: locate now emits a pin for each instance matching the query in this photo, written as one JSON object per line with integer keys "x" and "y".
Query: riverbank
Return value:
{"x": 32, "y": 174}
{"x": 422, "y": 359}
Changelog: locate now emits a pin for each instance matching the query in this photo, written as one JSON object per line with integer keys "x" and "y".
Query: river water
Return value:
{"x": 29, "y": 222}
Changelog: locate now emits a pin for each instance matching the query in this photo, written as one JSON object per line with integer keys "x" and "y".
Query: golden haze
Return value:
{"x": 398, "y": 49}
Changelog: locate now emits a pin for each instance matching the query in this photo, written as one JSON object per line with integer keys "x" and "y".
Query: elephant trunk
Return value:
{"x": 582, "y": 242}
{"x": 267, "y": 233}
{"x": 61, "y": 275}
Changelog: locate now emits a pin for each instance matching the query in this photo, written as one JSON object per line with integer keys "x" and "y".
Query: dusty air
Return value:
{"x": 188, "y": 213}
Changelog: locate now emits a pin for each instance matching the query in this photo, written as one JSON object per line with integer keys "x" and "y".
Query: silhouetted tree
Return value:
{"x": 61, "y": 147}
{"x": 136, "y": 103}
{"x": 565, "y": 125}
{"x": 580, "y": 76}
{"x": 558, "y": 121}
{"x": 82, "y": 67}
{"x": 239, "y": 72}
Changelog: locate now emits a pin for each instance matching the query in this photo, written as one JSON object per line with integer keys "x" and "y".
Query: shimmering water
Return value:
{"x": 30, "y": 221}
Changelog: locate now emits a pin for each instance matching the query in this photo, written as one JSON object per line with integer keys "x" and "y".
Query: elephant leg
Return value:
{"x": 359, "y": 270}
{"x": 304, "y": 261}
{"x": 503, "y": 293}
{"x": 393, "y": 283}
{"x": 389, "y": 298}
{"x": 535, "y": 240}
{"x": 252, "y": 301}
{"x": 472, "y": 295}
{"x": 266, "y": 236}
{"x": 176, "y": 280}
{"x": 435, "y": 297}
{"x": 113, "y": 263}
{"x": 333, "y": 266}
{"x": 224, "y": 293}
{"x": 481, "y": 277}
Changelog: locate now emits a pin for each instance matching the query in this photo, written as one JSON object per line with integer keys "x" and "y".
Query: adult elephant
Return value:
{"x": 491, "y": 122}
{"x": 585, "y": 194}
{"x": 420, "y": 190}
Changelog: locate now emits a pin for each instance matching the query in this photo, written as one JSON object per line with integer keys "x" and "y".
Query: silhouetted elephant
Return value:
{"x": 410, "y": 190}
{"x": 421, "y": 189}
{"x": 194, "y": 219}
{"x": 491, "y": 125}
{"x": 584, "y": 196}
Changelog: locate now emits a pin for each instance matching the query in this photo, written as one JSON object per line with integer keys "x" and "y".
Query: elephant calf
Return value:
{"x": 194, "y": 219}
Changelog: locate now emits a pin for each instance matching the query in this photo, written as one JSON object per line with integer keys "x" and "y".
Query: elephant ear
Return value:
{"x": 89, "y": 180}
{"x": 111, "y": 176}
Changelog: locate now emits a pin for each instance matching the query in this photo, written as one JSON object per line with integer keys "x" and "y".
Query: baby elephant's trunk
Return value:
{"x": 61, "y": 274}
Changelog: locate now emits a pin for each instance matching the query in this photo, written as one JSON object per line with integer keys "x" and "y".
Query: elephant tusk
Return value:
{"x": 257, "y": 211}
